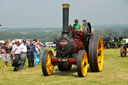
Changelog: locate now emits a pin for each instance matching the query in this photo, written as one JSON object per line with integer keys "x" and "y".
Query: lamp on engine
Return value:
{"x": 78, "y": 47}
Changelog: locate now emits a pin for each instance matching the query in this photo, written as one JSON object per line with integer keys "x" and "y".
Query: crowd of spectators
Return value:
{"x": 17, "y": 51}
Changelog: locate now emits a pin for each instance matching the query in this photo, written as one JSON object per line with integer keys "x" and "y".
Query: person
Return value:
{"x": 76, "y": 25}
{"x": 34, "y": 43}
{"x": 0, "y": 47}
{"x": 93, "y": 32}
{"x": 23, "y": 53}
{"x": 30, "y": 54}
{"x": 16, "y": 51}
{"x": 10, "y": 44}
{"x": 83, "y": 24}
{"x": 37, "y": 54}
{"x": 6, "y": 53}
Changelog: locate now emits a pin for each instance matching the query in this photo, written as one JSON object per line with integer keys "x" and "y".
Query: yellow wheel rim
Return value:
{"x": 84, "y": 64}
{"x": 49, "y": 65}
{"x": 100, "y": 54}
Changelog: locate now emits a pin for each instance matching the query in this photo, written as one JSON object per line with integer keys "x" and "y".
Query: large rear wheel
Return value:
{"x": 82, "y": 63}
{"x": 46, "y": 64}
{"x": 96, "y": 53}
{"x": 123, "y": 51}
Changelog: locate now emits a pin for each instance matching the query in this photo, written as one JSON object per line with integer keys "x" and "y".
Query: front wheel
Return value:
{"x": 46, "y": 64}
{"x": 82, "y": 63}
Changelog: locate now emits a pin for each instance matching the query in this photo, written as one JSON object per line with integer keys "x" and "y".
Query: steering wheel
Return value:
{"x": 87, "y": 32}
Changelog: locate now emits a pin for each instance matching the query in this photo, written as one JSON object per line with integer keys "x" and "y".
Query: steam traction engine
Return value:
{"x": 78, "y": 47}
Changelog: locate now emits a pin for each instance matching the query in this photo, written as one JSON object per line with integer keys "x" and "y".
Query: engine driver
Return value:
{"x": 76, "y": 25}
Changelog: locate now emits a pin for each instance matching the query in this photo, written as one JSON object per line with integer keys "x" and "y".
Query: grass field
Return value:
{"x": 115, "y": 72}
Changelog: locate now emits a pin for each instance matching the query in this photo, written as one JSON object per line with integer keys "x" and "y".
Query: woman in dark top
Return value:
{"x": 5, "y": 53}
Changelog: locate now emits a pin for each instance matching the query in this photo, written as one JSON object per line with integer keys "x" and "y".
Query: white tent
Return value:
{"x": 126, "y": 40}
{"x": 2, "y": 41}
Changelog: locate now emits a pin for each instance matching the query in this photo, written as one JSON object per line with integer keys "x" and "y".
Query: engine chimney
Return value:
{"x": 65, "y": 18}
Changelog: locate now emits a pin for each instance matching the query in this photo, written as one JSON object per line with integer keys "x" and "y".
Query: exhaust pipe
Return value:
{"x": 65, "y": 18}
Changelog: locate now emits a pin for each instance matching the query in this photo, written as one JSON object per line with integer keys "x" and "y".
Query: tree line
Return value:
{"x": 51, "y": 34}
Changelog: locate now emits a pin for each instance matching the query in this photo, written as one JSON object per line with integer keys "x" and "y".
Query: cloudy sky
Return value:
{"x": 48, "y": 13}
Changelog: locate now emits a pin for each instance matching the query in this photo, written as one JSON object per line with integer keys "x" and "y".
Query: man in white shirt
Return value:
{"x": 16, "y": 51}
{"x": 23, "y": 53}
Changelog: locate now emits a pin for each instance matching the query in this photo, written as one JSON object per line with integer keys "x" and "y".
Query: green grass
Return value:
{"x": 115, "y": 72}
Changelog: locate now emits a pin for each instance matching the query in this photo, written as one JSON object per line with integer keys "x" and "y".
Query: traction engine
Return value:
{"x": 78, "y": 47}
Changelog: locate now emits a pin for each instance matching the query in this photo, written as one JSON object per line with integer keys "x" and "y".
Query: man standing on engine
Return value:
{"x": 83, "y": 24}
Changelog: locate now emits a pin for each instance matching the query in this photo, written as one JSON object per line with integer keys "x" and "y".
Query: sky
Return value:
{"x": 48, "y": 13}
